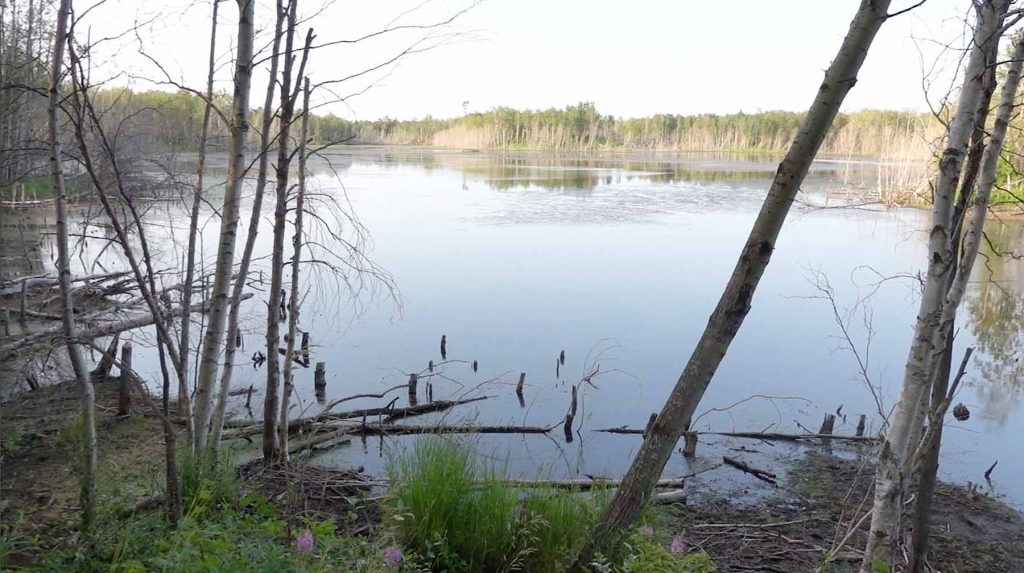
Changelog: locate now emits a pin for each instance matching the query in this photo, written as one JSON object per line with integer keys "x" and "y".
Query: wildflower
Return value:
{"x": 306, "y": 542}
{"x": 677, "y": 546}
{"x": 647, "y": 530}
{"x": 393, "y": 556}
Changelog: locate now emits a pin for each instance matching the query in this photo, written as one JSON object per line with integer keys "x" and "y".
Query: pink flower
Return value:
{"x": 677, "y": 546}
{"x": 393, "y": 556}
{"x": 647, "y": 530}
{"x": 306, "y": 543}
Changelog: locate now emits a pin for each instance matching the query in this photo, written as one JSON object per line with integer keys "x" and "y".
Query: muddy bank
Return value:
{"x": 815, "y": 520}
{"x": 801, "y": 524}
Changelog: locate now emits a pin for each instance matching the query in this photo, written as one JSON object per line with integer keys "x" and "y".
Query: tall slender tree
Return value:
{"x": 725, "y": 321}
{"x": 213, "y": 341}
{"x": 272, "y": 403}
{"x": 88, "y": 496}
{"x": 892, "y": 472}
{"x": 928, "y": 341}
{"x": 184, "y": 393}
{"x": 217, "y": 420}
{"x": 293, "y": 305}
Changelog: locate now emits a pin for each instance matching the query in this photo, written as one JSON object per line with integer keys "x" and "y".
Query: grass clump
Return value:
{"x": 455, "y": 514}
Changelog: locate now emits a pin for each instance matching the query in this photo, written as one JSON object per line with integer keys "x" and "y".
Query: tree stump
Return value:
{"x": 124, "y": 396}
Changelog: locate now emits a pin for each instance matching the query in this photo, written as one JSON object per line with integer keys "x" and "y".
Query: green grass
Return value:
{"x": 33, "y": 187}
{"x": 230, "y": 534}
{"x": 453, "y": 513}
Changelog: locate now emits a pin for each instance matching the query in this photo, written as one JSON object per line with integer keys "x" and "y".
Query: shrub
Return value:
{"x": 455, "y": 514}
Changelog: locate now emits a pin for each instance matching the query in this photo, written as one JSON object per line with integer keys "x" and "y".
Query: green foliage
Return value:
{"x": 243, "y": 535}
{"x": 28, "y": 188}
{"x": 581, "y": 127}
{"x": 878, "y": 566}
{"x": 442, "y": 514}
{"x": 454, "y": 514}
{"x": 205, "y": 482}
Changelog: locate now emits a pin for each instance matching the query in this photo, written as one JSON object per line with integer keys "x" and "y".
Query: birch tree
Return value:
{"x": 929, "y": 339}
{"x": 217, "y": 420}
{"x": 88, "y": 497}
{"x": 213, "y": 341}
{"x": 184, "y": 395}
{"x": 293, "y": 305}
{"x": 735, "y": 302}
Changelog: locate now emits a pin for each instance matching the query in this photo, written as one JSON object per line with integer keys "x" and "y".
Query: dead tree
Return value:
{"x": 88, "y": 498}
{"x": 735, "y": 302}
{"x": 271, "y": 402}
{"x": 184, "y": 400}
{"x": 293, "y": 306}
{"x": 217, "y": 420}
{"x": 213, "y": 341}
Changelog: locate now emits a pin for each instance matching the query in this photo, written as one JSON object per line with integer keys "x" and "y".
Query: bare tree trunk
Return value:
{"x": 271, "y": 403}
{"x": 213, "y": 341}
{"x": 217, "y": 421}
{"x": 88, "y": 498}
{"x": 929, "y": 340}
{"x": 735, "y": 303}
{"x": 85, "y": 116}
{"x": 920, "y": 520}
{"x": 293, "y": 310}
{"x": 972, "y": 166}
{"x": 184, "y": 394}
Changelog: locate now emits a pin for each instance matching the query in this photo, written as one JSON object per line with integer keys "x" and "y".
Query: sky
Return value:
{"x": 631, "y": 59}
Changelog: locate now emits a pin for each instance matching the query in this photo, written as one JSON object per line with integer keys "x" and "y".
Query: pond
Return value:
{"x": 618, "y": 261}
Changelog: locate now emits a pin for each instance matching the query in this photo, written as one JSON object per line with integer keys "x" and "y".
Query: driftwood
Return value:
{"x": 15, "y": 286}
{"x": 585, "y": 483}
{"x": 766, "y": 436}
{"x": 247, "y": 427}
{"x": 406, "y": 430}
{"x": 763, "y": 475}
{"x": 349, "y": 429}
{"x": 669, "y": 497}
{"x": 102, "y": 330}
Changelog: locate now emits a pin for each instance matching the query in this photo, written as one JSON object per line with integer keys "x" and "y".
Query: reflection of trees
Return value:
{"x": 559, "y": 174}
{"x": 995, "y": 304}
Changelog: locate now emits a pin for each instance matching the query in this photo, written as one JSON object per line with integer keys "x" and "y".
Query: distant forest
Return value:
{"x": 174, "y": 120}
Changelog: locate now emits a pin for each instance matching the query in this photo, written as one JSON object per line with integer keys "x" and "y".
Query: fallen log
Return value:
{"x": 763, "y": 475}
{"x": 105, "y": 329}
{"x": 766, "y": 436}
{"x": 348, "y": 429}
{"x": 669, "y": 497}
{"x": 247, "y": 427}
{"x": 584, "y": 484}
{"x": 14, "y": 286}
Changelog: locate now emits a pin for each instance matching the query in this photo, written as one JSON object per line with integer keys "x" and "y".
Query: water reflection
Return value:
{"x": 517, "y": 256}
{"x": 995, "y": 304}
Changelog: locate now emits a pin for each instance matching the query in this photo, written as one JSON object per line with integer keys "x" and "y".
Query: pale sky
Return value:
{"x": 630, "y": 58}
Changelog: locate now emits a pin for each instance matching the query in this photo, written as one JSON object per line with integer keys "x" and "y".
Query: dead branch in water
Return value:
{"x": 247, "y": 427}
{"x": 765, "y": 436}
{"x": 763, "y": 475}
{"x": 99, "y": 331}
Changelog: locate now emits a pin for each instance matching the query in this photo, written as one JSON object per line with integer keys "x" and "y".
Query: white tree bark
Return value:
{"x": 213, "y": 341}
{"x": 184, "y": 393}
{"x": 217, "y": 420}
{"x": 890, "y": 478}
{"x": 64, "y": 277}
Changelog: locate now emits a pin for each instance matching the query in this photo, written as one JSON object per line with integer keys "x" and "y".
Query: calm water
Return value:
{"x": 619, "y": 262}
